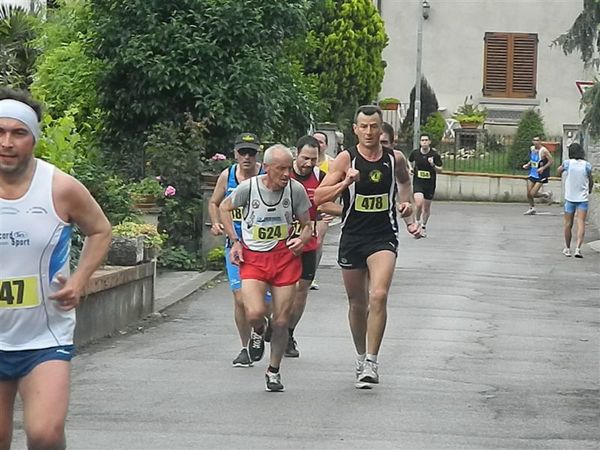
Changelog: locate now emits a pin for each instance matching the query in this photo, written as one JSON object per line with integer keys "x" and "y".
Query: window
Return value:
{"x": 510, "y": 63}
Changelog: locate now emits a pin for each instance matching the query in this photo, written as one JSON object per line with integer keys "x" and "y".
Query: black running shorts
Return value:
{"x": 354, "y": 250}
{"x": 427, "y": 189}
{"x": 309, "y": 265}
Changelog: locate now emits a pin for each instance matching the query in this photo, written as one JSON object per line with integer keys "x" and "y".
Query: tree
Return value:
{"x": 17, "y": 52}
{"x": 223, "y": 62}
{"x": 584, "y": 35}
{"x": 345, "y": 44}
{"x": 429, "y": 106}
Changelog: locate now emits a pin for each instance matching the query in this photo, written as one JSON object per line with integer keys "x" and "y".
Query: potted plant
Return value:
{"x": 389, "y": 103}
{"x": 146, "y": 191}
{"x": 469, "y": 115}
{"x": 214, "y": 166}
{"x": 152, "y": 239}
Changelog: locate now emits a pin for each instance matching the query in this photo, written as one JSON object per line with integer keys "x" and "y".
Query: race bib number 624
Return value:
{"x": 19, "y": 293}
{"x": 272, "y": 233}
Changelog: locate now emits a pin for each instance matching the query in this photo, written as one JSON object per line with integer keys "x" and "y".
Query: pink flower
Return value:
{"x": 218, "y": 157}
{"x": 170, "y": 191}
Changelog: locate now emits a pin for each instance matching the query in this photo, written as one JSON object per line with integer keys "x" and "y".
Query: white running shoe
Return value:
{"x": 529, "y": 212}
{"x": 423, "y": 231}
{"x": 577, "y": 253}
{"x": 567, "y": 252}
{"x": 368, "y": 375}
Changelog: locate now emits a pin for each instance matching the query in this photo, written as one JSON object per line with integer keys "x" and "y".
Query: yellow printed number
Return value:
{"x": 19, "y": 293}
{"x": 424, "y": 174}
{"x": 273, "y": 233}
{"x": 371, "y": 203}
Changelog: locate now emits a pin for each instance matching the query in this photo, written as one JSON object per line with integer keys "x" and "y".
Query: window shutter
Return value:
{"x": 496, "y": 62}
{"x": 524, "y": 65}
{"x": 510, "y": 64}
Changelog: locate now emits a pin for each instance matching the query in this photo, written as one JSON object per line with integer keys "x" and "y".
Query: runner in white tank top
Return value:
{"x": 38, "y": 205}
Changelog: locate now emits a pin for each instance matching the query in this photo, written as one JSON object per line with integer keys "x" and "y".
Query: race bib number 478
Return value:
{"x": 19, "y": 293}
{"x": 371, "y": 203}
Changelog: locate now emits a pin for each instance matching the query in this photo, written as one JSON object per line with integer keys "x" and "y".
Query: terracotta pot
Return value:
{"x": 470, "y": 125}
{"x": 390, "y": 106}
{"x": 550, "y": 145}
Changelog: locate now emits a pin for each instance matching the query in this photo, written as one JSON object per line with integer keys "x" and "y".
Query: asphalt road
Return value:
{"x": 492, "y": 343}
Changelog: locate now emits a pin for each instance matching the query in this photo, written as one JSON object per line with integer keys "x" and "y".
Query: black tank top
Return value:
{"x": 369, "y": 205}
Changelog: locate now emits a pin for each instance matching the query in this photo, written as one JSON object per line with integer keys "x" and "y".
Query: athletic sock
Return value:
{"x": 361, "y": 356}
{"x": 372, "y": 358}
{"x": 272, "y": 369}
{"x": 291, "y": 332}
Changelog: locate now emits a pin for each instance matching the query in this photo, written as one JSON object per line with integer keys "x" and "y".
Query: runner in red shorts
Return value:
{"x": 267, "y": 254}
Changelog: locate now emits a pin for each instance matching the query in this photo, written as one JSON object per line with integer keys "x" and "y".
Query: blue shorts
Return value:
{"x": 17, "y": 364}
{"x": 570, "y": 207}
{"x": 233, "y": 275}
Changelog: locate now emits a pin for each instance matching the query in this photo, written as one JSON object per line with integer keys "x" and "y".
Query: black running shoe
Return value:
{"x": 274, "y": 382}
{"x": 242, "y": 360}
{"x": 291, "y": 351}
{"x": 256, "y": 345}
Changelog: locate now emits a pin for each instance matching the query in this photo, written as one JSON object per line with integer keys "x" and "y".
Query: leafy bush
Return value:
{"x": 59, "y": 140}
{"x": 434, "y": 128}
{"x": 178, "y": 258}
{"x": 216, "y": 258}
{"x": 530, "y": 125}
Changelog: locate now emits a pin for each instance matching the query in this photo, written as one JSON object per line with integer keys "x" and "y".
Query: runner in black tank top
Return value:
{"x": 369, "y": 204}
{"x": 366, "y": 176}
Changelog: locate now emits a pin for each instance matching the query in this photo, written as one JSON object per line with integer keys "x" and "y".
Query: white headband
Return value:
{"x": 14, "y": 109}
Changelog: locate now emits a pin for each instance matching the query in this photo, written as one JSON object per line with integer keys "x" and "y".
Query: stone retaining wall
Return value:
{"x": 115, "y": 298}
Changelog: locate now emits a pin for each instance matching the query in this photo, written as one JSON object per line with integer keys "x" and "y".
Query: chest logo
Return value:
{"x": 375, "y": 176}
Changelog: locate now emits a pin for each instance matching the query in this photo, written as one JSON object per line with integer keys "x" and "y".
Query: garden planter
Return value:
{"x": 126, "y": 251}
{"x": 470, "y": 125}
{"x": 550, "y": 145}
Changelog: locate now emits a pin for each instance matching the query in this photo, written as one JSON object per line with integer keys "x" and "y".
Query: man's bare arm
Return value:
{"x": 215, "y": 201}
{"x": 340, "y": 176}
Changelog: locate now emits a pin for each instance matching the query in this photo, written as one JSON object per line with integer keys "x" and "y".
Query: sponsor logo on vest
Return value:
{"x": 375, "y": 176}
{"x": 255, "y": 204}
{"x": 15, "y": 239}
{"x": 286, "y": 203}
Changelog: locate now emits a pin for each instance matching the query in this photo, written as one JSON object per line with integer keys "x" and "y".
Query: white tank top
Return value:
{"x": 34, "y": 249}
{"x": 267, "y": 226}
{"x": 577, "y": 180}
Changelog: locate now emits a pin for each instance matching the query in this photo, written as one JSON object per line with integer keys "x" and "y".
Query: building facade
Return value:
{"x": 495, "y": 53}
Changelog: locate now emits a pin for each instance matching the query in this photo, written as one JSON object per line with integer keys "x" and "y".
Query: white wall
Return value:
{"x": 453, "y": 50}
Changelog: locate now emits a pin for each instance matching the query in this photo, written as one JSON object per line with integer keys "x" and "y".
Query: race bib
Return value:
{"x": 296, "y": 229}
{"x": 371, "y": 203}
{"x": 237, "y": 214}
{"x": 19, "y": 293}
{"x": 534, "y": 164}
{"x": 273, "y": 233}
{"x": 424, "y": 174}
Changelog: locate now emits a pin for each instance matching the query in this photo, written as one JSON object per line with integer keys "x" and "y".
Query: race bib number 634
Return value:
{"x": 19, "y": 292}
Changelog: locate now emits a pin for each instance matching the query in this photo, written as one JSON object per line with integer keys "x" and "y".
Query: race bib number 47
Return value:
{"x": 19, "y": 293}
{"x": 371, "y": 203}
{"x": 273, "y": 233}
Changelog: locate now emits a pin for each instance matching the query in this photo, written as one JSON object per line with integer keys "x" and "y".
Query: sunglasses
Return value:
{"x": 247, "y": 151}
